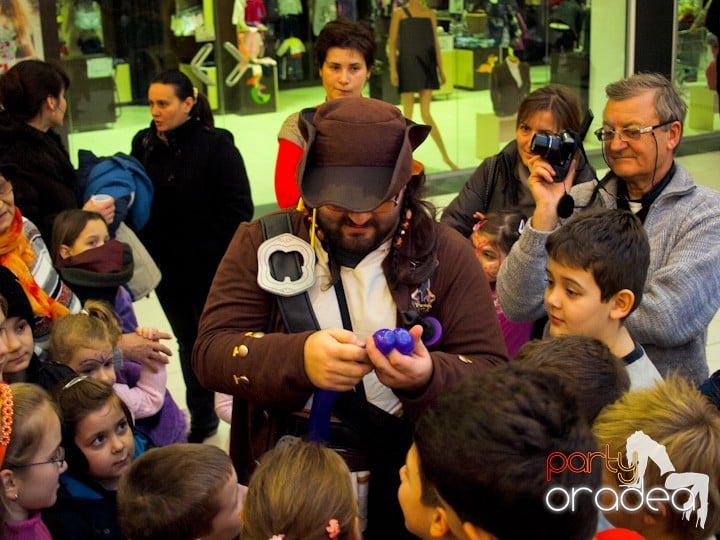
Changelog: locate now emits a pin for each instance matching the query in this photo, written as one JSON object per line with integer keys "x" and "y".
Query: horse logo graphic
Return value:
{"x": 641, "y": 448}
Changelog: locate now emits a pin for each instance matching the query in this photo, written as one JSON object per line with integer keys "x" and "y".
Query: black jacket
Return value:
{"x": 494, "y": 186}
{"x": 45, "y": 182}
{"x": 202, "y": 194}
{"x": 83, "y": 511}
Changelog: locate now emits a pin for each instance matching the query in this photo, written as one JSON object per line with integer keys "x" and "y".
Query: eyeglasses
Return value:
{"x": 5, "y": 188}
{"x": 627, "y": 134}
{"x": 382, "y": 208}
{"x": 59, "y": 459}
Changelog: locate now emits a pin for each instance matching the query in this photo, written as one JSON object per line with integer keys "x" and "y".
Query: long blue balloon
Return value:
{"x": 320, "y": 413}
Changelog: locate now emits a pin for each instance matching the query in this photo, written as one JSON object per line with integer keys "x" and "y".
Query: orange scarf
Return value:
{"x": 17, "y": 255}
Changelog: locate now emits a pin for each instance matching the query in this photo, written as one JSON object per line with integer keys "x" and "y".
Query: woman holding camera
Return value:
{"x": 500, "y": 182}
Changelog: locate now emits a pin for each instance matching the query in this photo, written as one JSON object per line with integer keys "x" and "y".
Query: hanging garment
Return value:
{"x": 417, "y": 60}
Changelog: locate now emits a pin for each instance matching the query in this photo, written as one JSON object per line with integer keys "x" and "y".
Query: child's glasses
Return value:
{"x": 59, "y": 459}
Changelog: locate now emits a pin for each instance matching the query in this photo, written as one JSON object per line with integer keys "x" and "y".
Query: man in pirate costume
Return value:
{"x": 370, "y": 255}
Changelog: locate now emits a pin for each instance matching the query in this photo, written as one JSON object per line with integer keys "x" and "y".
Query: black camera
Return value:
{"x": 560, "y": 149}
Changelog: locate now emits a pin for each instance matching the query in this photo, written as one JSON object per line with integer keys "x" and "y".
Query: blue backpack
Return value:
{"x": 124, "y": 178}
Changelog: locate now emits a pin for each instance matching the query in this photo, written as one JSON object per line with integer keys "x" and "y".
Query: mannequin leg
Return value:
{"x": 407, "y": 100}
{"x": 425, "y": 98}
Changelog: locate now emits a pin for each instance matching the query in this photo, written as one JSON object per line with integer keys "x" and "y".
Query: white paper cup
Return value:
{"x": 101, "y": 197}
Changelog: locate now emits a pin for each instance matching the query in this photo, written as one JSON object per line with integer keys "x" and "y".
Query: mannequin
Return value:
{"x": 509, "y": 84}
{"x": 416, "y": 63}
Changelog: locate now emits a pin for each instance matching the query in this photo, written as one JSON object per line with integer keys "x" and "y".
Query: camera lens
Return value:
{"x": 545, "y": 145}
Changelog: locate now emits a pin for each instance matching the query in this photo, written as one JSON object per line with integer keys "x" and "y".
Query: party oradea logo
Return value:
{"x": 685, "y": 492}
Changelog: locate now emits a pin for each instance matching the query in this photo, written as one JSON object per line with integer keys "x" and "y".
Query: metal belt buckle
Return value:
{"x": 287, "y": 243}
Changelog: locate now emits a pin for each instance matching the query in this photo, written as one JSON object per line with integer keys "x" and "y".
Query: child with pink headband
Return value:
{"x": 31, "y": 460}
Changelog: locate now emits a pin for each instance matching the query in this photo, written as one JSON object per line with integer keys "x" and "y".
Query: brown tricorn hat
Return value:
{"x": 358, "y": 153}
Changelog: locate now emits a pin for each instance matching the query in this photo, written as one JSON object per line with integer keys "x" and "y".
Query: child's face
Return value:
{"x": 37, "y": 484}
{"x": 573, "y": 304}
{"x": 226, "y": 523}
{"x": 20, "y": 344}
{"x": 95, "y": 361}
{"x": 489, "y": 255}
{"x": 418, "y": 516}
{"x": 105, "y": 438}
{"x": 95, "y": 234}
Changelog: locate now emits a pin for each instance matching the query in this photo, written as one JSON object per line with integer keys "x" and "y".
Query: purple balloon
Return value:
{"x": 403, "y": 341}
{"x": 384, "y": 340}
{"x": 433, "y": 329}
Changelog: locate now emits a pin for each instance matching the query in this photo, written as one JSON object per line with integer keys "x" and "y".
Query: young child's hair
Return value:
{"x": 67, "y": 227}
{"x": 14, "y": 301}
{"x": 677, "y": 416}
{"x": 590, "y": 371}
{"x": 95, "y": 322}
{"x": 173, "y": 492}
{"x": 609, "y": 243}
{"x": 76, "y": 399}
{"x": 26, "y": 433}
{"x": 483, "y": 445}
{"x": 502, "y": 227}
{"x": 300, "y": 490}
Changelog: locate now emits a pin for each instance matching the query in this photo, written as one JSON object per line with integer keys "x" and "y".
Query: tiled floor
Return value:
{"x": 703, "y": 166}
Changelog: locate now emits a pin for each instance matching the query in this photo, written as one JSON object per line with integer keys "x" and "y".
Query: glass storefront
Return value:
{"x": 255, "y": 57}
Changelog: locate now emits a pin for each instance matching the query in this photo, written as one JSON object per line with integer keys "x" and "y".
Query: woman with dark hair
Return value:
{"x": 202, "y": 194}
{"x": 345, "y": 52}
{"x": 500, "y": 182}
{"x": 32, "y": 95}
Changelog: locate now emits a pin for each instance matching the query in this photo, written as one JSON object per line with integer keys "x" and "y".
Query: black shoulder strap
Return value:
{"x": 297, "y": 311}
{"x": 407, "y": 12}
{"x": 490, "y": 185}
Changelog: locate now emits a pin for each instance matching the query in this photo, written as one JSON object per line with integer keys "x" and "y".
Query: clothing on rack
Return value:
{"x": 289, "y": 7}
{"x": 255, "y": 12}
{"x": 238, "y": 14}
{"x": 324, "y": 12}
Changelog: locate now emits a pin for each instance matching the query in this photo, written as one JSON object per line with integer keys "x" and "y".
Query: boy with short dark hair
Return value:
{"x": 596, "y": 270}
{"x": 477, "y": 466}
{"x": 182, "y": 491}
{"x": 587, "y": 367}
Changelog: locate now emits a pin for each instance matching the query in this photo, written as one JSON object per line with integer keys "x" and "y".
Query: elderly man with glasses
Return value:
{"x": 372, "y": 256}
{"x": 641, "y": 130}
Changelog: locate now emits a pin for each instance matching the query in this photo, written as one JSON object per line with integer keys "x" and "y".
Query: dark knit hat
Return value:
{"x": 358, "y": 153}
{"x": 18, "y": 303}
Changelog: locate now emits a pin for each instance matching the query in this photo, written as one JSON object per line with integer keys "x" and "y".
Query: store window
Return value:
{"x": 696, "y": 67}
{"x": 582, "y": 44}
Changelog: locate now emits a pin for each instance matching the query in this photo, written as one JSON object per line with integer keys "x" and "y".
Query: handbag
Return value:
{"x": 146, "y": 275}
